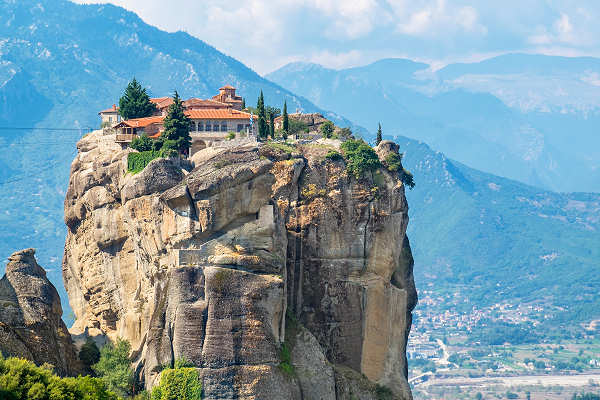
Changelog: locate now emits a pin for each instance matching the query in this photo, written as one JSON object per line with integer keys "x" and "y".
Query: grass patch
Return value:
{"x": 284, "y": 147}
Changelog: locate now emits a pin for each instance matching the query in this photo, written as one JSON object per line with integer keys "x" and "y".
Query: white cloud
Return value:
{"x": 265, "y": 34}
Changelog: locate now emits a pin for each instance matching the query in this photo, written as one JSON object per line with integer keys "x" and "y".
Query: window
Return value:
{"x": 200, "y": 126}
{"x": 208, "y": 127}
{"x": 240, "y": 127}
{"x": 109, "y": 119}
{"x": 215, "y": 127}
{"x": 223, "y": 126}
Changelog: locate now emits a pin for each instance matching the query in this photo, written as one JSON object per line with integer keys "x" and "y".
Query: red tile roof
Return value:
{"x": 217, "y": 114}
{"x": 195, "y": 102}
{"x": 141, "y": 122}
{"x": 114, "y": 108}
{"x": 227, "y": 87}
{"x": 162, "y": 102}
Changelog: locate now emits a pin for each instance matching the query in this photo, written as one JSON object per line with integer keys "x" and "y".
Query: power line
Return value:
{"x": 7, "y": 128}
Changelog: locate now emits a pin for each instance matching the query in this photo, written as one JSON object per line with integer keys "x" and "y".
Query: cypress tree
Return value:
{"x": 243, "y": 103}
{"x": 272, "y": 125}
{"x": 263, "y": 129}
{"x": 286, "y": 119}
{"x": 379, "y": 135}
{"x": 177, "y": 127}
{"x": 135, "y": 102}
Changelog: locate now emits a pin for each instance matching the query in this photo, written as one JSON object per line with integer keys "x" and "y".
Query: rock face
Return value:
{"x": 30, "y": 316}
{"x": 255, "y": 252}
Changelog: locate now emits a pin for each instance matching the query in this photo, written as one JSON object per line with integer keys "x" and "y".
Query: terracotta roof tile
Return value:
{"x": 217, "y": 114}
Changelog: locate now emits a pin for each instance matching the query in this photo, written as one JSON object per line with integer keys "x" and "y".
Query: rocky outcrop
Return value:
{"x": 214, "y": 265}
{"x": 30, "y": 316}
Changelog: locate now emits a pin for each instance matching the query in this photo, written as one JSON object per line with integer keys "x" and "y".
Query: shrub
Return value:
{"x": 333, "y": 155}
{"x": 136, "y": 162}
{"x": 327, "y": 129}
{"x": 230, "y": 136}
{"x": 383, "y": 393}
{"x": 360, "y": 157}
{"x": 297, "y": 126}
{"x": 178, "y": 384}
{"x": 22, "y": 379}
{"x": 142, "y": 143}
{"x": 181, "y": 362}
{"x": 114, "y": 367}
{"x": 89, "y": 353}
{"x": 286, "y": 360}
{"x": 393, "y": 162}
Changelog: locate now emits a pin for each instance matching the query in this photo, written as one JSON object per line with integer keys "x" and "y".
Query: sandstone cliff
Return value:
{"x": 30, "y": 316}
{"x": 254, "y": 248}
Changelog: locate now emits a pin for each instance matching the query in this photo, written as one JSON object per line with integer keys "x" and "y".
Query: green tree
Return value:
{"x": 379, "y": 135}
{"x": 286, "y": 120}
{"x": 243, "y": 103}
{"x": 327, "y": 129}
{"x": 181, "y": 383}
{"x": 114, "y": 367}
{"x": 263, "y": 130}
{"x": 21, "y": 379}
{"x": 142, "y": 143}
{"x": 89, "y": 353}
{"x": 177, "y": 128}
{"x": 135, "y": 102}
{"x": 360, "y": 157}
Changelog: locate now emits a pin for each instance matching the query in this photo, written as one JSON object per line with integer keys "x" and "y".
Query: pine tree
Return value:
{"x": 286, "y": 119}
{"x": 379, "y": 135}
{"x": 263, "y": 130}
{"x": 177, "y": 128}
{"x": 135, "y": 102}
{"x": 243, "y": 103}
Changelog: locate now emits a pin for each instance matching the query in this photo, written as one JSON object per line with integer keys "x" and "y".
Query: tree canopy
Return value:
{"x": 360, "y": 157}
{"x": 135, "y": 102}
{"x": 286, "y": 120}
{"x": 263, "y": 129}
{"x": 114, "y": 367}
{"x": 22, "y": 380}
{"x": 176, "y": 135}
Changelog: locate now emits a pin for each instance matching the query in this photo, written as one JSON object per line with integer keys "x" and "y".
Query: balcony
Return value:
{"x": 124, "y": 137}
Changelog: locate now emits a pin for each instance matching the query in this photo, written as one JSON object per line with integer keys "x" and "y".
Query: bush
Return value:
{"x": 136, "y": 162}
{"x": 327, "y": 129}
{"x": 393, "y": 162}
{"x": 142, "y": 143}
{"x": 333, "y": 155}
{"x": 178, "y": 384}
{"x": 297, "y": 126}
{"x": 360, "y": 157}
{"x": 230, "y": 136}
{"x": 114, "y": 367}
{"x": 22, "y": 379}
{"x": 286, "y": 360}
{"x": 89, "y": 353}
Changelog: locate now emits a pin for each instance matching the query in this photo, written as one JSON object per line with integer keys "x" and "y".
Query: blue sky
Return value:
{"x": 266, "y": 34}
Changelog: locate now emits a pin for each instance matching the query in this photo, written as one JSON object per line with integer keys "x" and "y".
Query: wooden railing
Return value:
{"x": 127, "y": 137}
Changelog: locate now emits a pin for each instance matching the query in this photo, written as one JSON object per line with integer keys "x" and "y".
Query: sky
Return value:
{"x": 267, "y": 34}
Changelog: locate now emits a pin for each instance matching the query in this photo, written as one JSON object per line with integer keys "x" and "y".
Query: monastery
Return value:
{"x": 212, "y": 120}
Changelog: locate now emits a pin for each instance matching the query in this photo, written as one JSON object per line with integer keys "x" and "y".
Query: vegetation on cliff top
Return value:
{"x": 360, "y": 157}
{"x": 181, "y": 382}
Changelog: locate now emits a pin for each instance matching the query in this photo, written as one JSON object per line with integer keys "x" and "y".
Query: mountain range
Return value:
{"x": 531, "y": 118}
{"x": 474, "y": 233}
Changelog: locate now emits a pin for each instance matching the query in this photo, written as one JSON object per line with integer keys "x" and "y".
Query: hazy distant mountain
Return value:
{"x": 527, "y": 117}
{"x": 484, "y": 240}
{"x": 60, "y": 63}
